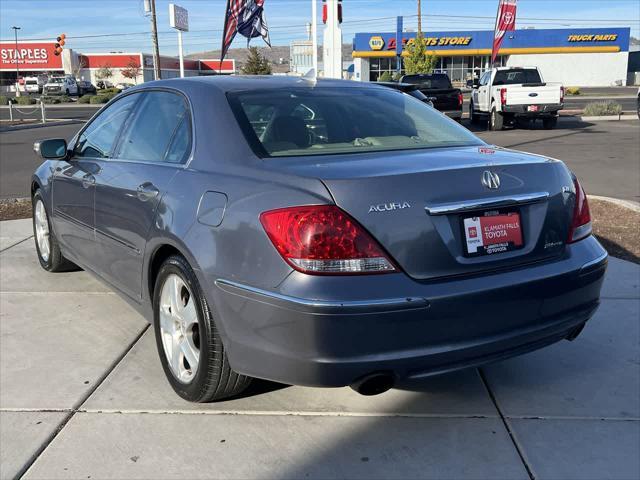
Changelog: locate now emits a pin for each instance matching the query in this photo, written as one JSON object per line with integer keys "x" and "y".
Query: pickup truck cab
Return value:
{"x": 66, "y": 85}
{"x": 507, "y": 94}
{"x": 31, "y": 85}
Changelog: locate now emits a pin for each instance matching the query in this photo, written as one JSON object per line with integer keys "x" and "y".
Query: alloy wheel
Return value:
{"x": 42, "y": 231}
{"x": 179, "y": 328}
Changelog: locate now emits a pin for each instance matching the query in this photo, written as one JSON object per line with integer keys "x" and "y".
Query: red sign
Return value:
{"x": 29, "y": 56}
{"x": 505, "y": 22}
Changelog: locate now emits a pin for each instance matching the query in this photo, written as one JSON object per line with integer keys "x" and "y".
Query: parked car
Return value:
{"x": 437, "y": 87}
{"x": 409, "y": 89}
{"x": 389, "y": 244}
{"x": 102, "y": 84}
{"x": 638, "y": 103}
{"x": 123, "y": 85}
{"x": 66, "y": 85}
{"x": 31, "y": 85}
{"x": 507, "y": 94}
{"x": 85, "y": 86}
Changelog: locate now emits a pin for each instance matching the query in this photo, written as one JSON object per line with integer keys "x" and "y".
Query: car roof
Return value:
{"x": 236, "y": 83}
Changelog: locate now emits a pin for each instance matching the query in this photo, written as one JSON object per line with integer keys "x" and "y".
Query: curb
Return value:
{"x": 609, "y": 118}
{"x": 631, "y": 205}
{"x": 50, "y": 123}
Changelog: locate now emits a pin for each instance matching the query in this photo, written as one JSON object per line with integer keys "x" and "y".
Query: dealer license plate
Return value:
{"x": 492, "y": 234}
{"x": 533, "y": 108}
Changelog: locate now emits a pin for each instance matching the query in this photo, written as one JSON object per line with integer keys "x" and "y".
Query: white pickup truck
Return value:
{"x": 507, "y": 94}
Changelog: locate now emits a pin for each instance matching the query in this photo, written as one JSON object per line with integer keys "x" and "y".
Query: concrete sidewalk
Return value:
{"x": 82, "y": 395}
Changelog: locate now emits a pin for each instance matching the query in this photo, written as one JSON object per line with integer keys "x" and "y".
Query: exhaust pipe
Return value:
{"x": 373, "y": 384}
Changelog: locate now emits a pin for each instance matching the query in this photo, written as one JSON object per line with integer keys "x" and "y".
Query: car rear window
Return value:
{"x": 330, "y": 120}
{"x": 439, "y": 82}
{"x": 517, "y": 76}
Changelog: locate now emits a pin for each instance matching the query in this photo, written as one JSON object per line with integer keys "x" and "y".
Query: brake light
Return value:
{"x": 561, "y": 94}
{"x": 581, "y": 221}
{"x": 503, "y": 96}
{"x": 460, "y": 99}
{"x": 323, "y": 239}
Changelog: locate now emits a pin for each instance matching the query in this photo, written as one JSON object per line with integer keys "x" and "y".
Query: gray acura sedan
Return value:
{"x": 323, "y": 233}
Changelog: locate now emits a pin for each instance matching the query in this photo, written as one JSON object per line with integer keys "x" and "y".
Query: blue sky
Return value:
{"x": 45, "y": 19}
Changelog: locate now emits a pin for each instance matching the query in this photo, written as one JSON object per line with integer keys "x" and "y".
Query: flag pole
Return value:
{"x": 224, "y": 33}
{"x": 314, "y": 35}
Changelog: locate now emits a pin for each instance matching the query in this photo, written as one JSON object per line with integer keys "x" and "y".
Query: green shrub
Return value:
{"x": 4, "y": 100}
{"x": 51, "y": 100}
{"x": 598, "y": 109}
{"x": 573, "y": 90}
{"x": 25, "y": 100}
{"x": 99, "y": 99}
{"x": 85, "y": 99}
{"x": 385, "y": 77}
{"x": 106, "y": 91}
{"x": 65, "y": 99}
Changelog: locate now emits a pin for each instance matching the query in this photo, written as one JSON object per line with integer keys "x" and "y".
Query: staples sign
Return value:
{"x": 29, "y": 56}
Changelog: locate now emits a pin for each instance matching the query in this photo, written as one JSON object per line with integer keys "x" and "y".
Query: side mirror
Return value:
{"x": 475, "y": 83}
{"x": 52, "y": 149}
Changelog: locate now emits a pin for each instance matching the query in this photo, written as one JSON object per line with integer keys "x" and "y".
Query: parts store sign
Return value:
{"x": 29, "y": 56}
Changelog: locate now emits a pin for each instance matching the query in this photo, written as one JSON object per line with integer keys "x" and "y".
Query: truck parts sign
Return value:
{"x": 29, "y": 56}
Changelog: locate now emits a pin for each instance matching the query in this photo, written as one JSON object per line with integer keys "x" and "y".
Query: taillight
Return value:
{"x": 581, "y": 220}
{"x": 561, "y": 94}
{"x": 460, "y": 99}
{"x": 323, "y": 239}
{"x": 503, "y": 96}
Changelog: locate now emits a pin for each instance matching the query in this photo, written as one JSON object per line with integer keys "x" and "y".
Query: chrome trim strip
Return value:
{"x": 322, "y": 306}
{"x": 595, "y": 262}
{"x": 483, "y": 203}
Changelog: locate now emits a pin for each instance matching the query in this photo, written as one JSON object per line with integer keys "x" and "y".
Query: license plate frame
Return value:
{"x": 513, "y": 238}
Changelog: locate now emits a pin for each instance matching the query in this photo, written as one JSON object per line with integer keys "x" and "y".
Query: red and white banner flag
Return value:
{"x": 505, "y": 22}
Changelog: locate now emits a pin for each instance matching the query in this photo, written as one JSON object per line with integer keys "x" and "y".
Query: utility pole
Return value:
{"x": 419, "y": 17}
{"x": 15, "y": 56}
{"x": 314, "y": 36}
{"x": 154, "y": 37}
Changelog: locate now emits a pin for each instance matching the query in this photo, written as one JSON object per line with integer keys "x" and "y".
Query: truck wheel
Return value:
{"x": 549, "y": 123}
{"x": 473, "y": 118}
{"x": 496, "y": 121}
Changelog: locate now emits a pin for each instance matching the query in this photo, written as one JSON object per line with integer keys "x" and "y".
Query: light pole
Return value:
{"x": 15, "y": 56}
{"x": 419, "y": 17}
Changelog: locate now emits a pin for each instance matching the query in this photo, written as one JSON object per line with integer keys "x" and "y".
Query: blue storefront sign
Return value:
{"x": 528, "y": 41}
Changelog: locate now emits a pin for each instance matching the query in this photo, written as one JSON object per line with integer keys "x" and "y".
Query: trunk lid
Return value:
{"x": 410, "y": 202}
{"x": 527, "y": 95}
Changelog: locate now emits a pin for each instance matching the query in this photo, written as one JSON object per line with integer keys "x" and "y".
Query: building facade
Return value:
{"x": 36, "y": 58}
{"x": 574, "y": 57}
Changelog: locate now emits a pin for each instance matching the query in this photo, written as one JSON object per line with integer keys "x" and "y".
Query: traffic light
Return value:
{"x": 59, "y": 44}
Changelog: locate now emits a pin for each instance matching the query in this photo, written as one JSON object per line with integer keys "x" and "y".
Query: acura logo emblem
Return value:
{"x": 490, "y": 180}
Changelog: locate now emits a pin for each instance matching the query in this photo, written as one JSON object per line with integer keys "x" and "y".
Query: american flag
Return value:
{"x": 247, "y": 18}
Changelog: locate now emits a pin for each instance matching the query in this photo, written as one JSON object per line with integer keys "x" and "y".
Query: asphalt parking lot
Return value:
{"x": 605, "y": 155}
{"x": 82, "y": 395}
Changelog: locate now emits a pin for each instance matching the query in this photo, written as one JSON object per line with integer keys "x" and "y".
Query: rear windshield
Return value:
{"x": 330, "y": 120}
{"x": 428, "y": 81}
{"x": 515, "y": 76}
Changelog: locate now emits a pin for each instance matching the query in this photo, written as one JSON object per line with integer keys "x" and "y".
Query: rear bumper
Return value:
{"x": 331, "y": 331}
{"x": 456, "y": 114}
{"x": 544, "y": 110}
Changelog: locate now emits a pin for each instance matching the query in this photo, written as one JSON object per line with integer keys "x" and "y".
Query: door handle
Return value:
{"x": 147, "y": 191}
{"x": 88, "y": 180}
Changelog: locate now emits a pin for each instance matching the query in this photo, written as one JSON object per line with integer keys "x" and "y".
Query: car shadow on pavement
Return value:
{"x": 565, "y": 123}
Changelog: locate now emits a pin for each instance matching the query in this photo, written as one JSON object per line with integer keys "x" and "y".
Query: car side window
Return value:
{"x": 160, "y": 131}
{"x": 485, "y": 78}
{"x": 98, "y": 139}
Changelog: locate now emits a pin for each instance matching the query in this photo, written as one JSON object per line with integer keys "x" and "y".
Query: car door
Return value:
{"x": 153, "y": 147}
{"x": 74, "y": 181}
{"x": 483, "y": 92}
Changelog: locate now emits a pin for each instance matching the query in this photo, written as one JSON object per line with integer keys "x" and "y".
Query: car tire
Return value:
{"x": 496, "y": 120}
{"x": 185, "y": 330}
{"x": 549, "y": 123}
{"x": 47, "y": 247}
{"x": 66, "y": 92}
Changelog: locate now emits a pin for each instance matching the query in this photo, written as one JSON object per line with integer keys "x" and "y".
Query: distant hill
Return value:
{"x": 277, "y": 55}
